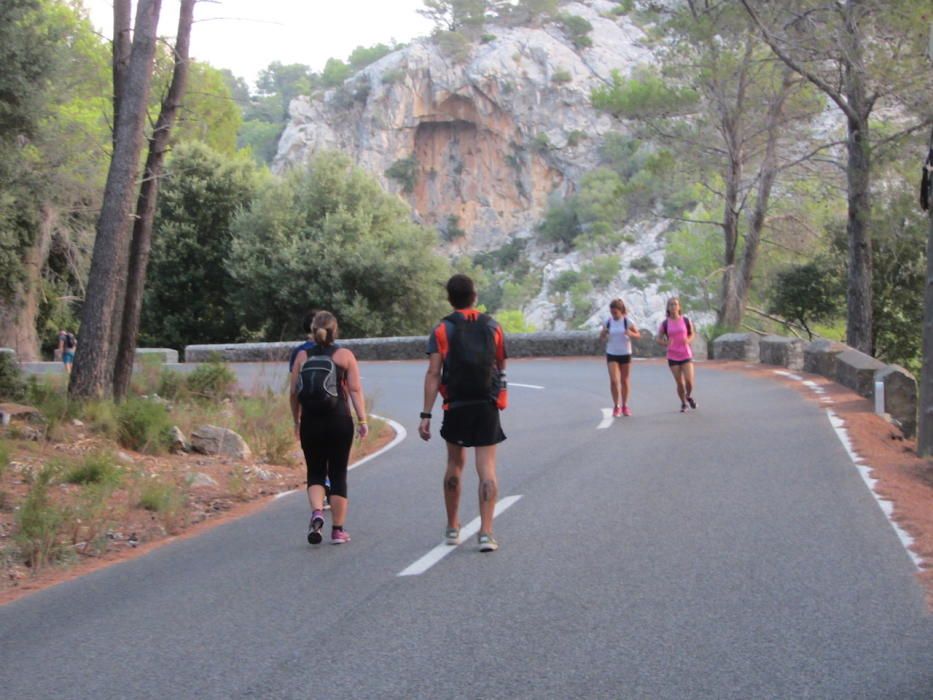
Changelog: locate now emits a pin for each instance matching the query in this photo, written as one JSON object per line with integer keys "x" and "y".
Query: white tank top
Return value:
{"x": 619, "y": 343}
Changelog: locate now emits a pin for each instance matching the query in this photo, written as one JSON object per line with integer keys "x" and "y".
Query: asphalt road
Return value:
{"x": 732, "y": 552}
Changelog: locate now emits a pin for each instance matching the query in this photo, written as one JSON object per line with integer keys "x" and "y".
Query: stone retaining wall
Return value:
{"x": 544, "y": 344}
{"x": 835, "y": 361}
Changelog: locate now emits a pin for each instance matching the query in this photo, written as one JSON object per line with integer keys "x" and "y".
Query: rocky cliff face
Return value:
{"x": 482, "y": 142}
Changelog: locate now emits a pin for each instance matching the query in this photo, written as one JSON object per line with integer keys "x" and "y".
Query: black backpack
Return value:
{"x": 318, "y": 392}
{"x": 470, "y": 367}
{"x": 69, "y": 341}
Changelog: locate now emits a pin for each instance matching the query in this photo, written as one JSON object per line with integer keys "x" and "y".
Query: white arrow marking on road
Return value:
{"x": 443, "y": 549}
{"x": 526, "y": 386}
{"x": 607, "y": 419}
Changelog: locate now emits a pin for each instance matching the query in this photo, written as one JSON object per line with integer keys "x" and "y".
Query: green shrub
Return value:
{"x": 39, "y": 523}
{"x": 405, "y": 172}
{"x": 171, "y": 385}
{"x": 452, "y": 231}
{"x": 212, "y": 381}
{"x": 390, "y": 77}
{"x": 565, "y": 281}
{"x": 513, "y": 321}
{"x": 541, "y": 143}
{"x": 603, "y": 269}
{"x": 575, "y": 137}
{"x": 167, "y": 500}
{"x": 453, "y": 45}
{"x": 12, "y": 384}
{"x": 643, "y": 264}
{"x": 159, "y": 497}
{"x": 101, "y": 416}
{"x": 486, "y": 38}
{"x": 96, "y": 468}
{"x": 51, "y": 401}
{"x": 577, "y": 29}
{"x": 144, "y": 426}
{"x": 266, "y": 425}
{"x": 561, "y": 75}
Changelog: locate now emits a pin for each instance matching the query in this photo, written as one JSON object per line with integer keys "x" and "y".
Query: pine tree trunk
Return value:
{"x": 93, "y": 369}
{"x": 925, "y": 417}
{"x": 122, "y": 48}
{"x": 18, "y": 316}
{"x": 729, "y": 314}
{"x": 146, "y": 205}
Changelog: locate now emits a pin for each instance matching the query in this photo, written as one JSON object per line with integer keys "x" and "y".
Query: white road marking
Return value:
{"x": 400, "y": 434}
{"x": 607, "y": 419}
{"x": 526, "y": 386}
{"x": 887, "y": 507}
{"x": 785, "y": 373}
{"x": 443, "y": 549}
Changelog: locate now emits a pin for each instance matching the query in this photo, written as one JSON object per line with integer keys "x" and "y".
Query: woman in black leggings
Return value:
{"x": 324, "y": 425}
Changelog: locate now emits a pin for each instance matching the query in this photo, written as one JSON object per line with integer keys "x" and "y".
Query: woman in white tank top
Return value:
{"x": 618, "y": 332}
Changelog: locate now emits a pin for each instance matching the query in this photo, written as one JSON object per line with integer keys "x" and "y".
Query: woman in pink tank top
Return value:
{"x": 675, "y": 333}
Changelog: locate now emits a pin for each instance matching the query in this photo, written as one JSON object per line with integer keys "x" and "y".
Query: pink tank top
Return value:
{"x": 678, "y": 348}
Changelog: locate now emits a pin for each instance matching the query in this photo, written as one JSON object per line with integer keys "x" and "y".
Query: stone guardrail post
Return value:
{"x": 736, "y": 346}
{"x": 833, "y": 360}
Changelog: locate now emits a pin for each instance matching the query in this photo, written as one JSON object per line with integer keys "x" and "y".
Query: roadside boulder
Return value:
{"x": 179, "y": 441}
{"x": 213, "y": 440}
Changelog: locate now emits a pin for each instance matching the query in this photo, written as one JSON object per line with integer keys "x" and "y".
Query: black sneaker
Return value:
{"x": 683, "y": 408}
{"x": 314, "y": 527}
{"x": 693, "y": 404}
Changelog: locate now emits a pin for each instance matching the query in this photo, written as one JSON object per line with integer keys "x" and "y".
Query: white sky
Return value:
{"x": 247, "y": 35}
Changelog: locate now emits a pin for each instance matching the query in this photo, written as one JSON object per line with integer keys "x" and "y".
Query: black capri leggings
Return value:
{"x": 326, "y": 443}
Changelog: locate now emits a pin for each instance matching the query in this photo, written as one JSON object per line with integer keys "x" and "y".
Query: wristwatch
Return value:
{"x": 425, "y": 415}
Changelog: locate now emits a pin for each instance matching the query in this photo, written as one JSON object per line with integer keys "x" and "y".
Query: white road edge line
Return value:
{"x": 526, "y": 386}
{"x": 443, "y": 549}
{"x": 887, "y": 507}
{"x": 607, "y": 419}
{"x": 400, "y": 434}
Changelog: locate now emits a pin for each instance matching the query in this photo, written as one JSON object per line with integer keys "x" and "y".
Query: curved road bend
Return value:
{"x": 732, "y": 552}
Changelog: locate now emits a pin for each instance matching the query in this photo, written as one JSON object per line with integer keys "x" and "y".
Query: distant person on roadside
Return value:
{"x": 676, "y": 333}
{"x": 325, "y": 380}
{"x": 617, "y": 333}
{"x": 67, "y": 344}
{"x": 466, "y": 365}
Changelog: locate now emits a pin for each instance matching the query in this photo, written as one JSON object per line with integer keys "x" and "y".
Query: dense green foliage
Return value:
{"x": 188, "y": 294}
{"x": 327, "y": 237}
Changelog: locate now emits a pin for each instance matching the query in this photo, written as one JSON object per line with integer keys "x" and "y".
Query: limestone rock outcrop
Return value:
{"x": 487, "y": 139}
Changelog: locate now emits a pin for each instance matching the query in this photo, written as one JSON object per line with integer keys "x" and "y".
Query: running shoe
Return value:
{"x": 452, "y": 536}
{"x": 487, "y": 543}
{"x": 693, "y": 404}
{"x": 616, "y": 412}
{"x": 314, "y": 527}
{"x": 683, "y": 408}
{"x": 626, "y": 411}
{"x": 339, "y": 536}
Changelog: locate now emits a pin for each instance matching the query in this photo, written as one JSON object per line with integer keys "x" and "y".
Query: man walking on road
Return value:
{"x": 466, "y": 365}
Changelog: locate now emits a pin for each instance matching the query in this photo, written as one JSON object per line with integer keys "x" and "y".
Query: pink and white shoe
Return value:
{"x": 339, "y": 536}
{"x": 616, "y": 412}
{"x": 626, "y": 411}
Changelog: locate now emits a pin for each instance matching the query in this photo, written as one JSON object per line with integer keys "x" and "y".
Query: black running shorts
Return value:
{"x": 621, "y": 359}
{"x": 677, "y": 363}
{"x": 472, "y": 425}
